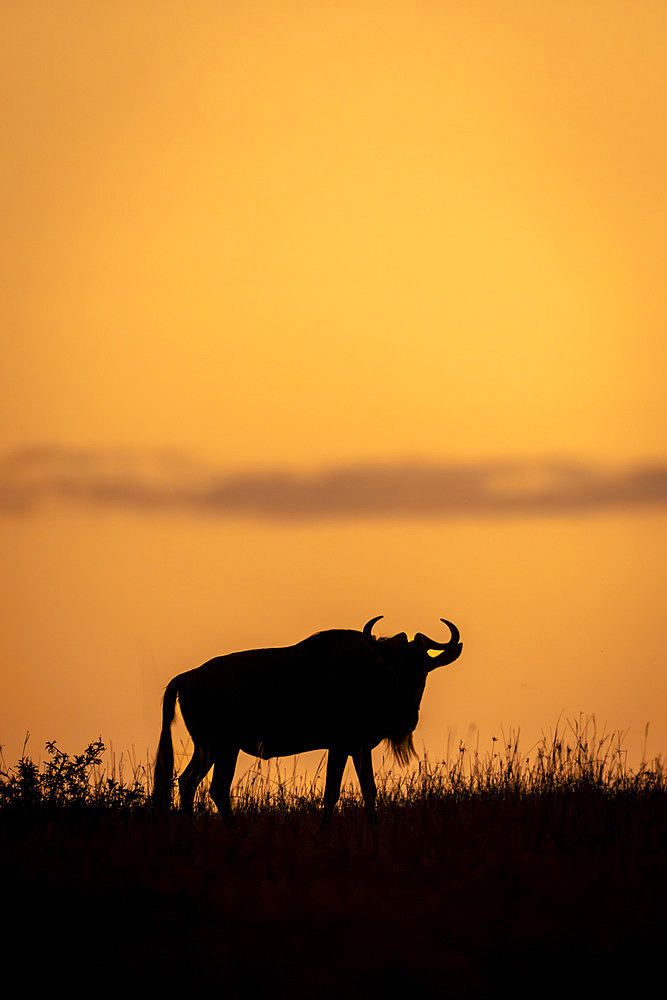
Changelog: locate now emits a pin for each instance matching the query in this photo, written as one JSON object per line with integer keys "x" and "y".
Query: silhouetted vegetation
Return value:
{"x": 65, "y": 782}
{"x": 487, "y": 875}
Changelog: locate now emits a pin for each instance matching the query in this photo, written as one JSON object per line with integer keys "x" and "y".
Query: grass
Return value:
{"x": 488, "y": 875}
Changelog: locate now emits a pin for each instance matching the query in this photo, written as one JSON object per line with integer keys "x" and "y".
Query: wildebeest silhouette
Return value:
{"x": 341, "y": 690}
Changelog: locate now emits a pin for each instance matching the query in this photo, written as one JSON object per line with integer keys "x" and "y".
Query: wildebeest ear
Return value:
{"x": 400, "y": 639}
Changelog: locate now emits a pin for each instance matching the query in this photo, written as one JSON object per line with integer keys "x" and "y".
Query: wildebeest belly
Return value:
{"x": 280, "y": 748}
{"x": 288, "y": 747}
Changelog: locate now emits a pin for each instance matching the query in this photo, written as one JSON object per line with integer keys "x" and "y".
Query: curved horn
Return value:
{"x": 456, "y": 635}
{"x": 368, "y": 628}
{"x": 432, "y": 644}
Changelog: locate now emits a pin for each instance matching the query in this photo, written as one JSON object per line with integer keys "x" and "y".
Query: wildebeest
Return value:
{"x": 341, "y": 690}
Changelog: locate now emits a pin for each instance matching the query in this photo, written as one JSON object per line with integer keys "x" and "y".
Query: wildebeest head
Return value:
{"x": 417, "y": 652}
{"x": 407, "y": 665}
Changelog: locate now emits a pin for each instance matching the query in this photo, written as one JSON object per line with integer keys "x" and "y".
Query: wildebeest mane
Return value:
{"x": 326, "y": 635}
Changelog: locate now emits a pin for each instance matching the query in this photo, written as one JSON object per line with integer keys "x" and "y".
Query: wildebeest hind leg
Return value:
{"x": 195, "y": 772}
{"x": 223, "y": 775}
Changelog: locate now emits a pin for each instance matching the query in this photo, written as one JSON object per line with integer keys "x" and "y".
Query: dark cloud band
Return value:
{"x": 32, "y": 477}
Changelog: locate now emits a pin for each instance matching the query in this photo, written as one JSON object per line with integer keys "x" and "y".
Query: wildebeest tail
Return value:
{"x": 163, "y": 780}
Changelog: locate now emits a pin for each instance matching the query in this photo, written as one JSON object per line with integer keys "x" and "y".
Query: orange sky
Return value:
{"x": 296, "y": 237}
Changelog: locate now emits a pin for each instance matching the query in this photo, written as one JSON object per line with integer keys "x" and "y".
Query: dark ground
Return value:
{"x": 487, "y": 896}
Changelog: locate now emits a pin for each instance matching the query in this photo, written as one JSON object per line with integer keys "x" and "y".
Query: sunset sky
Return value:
{"x": 314, "y": 311}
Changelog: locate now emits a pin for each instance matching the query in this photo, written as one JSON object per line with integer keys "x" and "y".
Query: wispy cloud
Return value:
{"x": 34, "y": 476}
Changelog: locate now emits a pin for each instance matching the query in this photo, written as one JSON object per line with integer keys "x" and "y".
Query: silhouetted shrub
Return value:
{"x": 65, "y": 782}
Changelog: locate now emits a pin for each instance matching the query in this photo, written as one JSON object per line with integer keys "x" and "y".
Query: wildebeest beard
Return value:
{"x": 402, "y": 747}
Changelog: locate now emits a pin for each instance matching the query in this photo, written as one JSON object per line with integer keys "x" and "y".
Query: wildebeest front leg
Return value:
{"x": 336, "y": 762}
{"x": 221, "y": 783}
{"x": 363, "y": 765}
